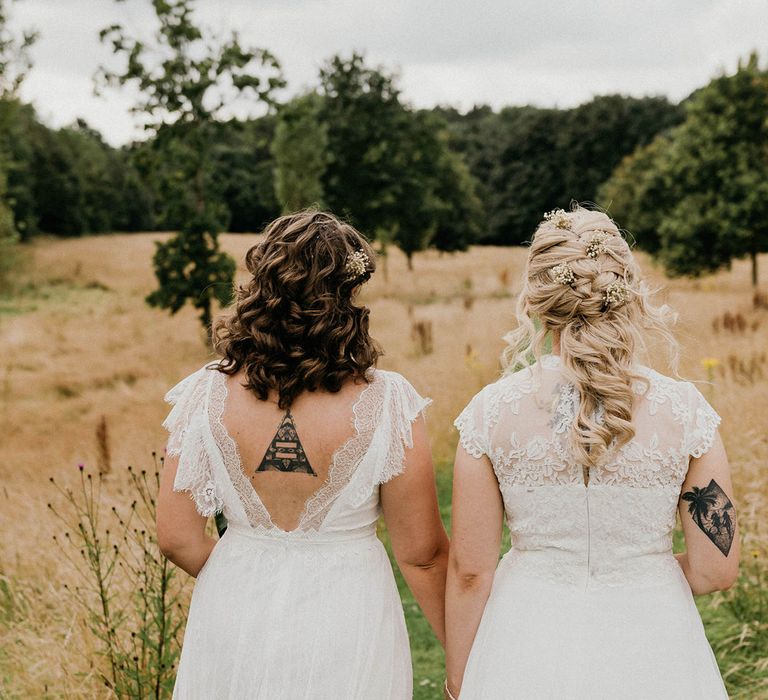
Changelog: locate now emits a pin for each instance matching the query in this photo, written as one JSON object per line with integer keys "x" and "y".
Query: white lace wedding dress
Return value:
{"x": 589, "y": 602}
{"x": 310, "y": 613}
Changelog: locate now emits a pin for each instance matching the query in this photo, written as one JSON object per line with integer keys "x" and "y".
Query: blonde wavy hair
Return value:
{"x": 596, "y": 302}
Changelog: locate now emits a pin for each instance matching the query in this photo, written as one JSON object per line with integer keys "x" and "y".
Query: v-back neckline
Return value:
{"x": 233, "y": 461}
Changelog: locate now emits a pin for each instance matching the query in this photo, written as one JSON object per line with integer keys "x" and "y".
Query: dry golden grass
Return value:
{"x": 80, "y": 343}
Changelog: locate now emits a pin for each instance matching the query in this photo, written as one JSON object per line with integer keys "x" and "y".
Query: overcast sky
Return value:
{"x": 496, "y": 52}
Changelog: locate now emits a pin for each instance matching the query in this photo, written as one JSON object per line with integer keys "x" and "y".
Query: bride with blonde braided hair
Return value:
{"x": 588, "y": 454}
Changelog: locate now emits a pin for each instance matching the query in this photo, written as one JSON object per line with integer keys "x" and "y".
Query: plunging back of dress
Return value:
{"x": 617, "y": 528}
{"x": 297, "y": 598}
{"x": 354, "y": 441}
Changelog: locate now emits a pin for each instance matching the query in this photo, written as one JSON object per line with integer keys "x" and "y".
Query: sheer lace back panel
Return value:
{"x": 211, "y": 467}
{"x": 611, "y": 529}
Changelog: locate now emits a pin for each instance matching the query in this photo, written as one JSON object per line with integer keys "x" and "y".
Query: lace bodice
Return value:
{"x": 615, "y": 530}
{"x": 210, "y": 468}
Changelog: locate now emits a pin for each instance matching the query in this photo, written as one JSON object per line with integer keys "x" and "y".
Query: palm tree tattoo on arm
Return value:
{"x": 712, "y": 511}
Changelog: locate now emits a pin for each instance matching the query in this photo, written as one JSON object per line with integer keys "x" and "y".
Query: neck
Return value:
{"x": 555, "y": 343}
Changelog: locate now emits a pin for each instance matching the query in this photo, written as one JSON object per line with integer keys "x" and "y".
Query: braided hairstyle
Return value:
{"x": 583, "y": 284}
{"x": 294, "y": 326}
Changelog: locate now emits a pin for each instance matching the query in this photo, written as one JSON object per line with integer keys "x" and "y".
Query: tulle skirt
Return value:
{"x": 539, "y": 641}
{"x": 276, "y": 619}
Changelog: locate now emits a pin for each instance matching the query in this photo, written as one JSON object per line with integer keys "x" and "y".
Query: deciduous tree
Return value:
{"x": 186, "y": 81}
{"x": 704, "y": 187}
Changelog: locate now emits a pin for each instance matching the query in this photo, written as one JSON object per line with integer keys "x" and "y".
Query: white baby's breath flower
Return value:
{"x": 563, "y": 274}
{"x": 558, "y": 217}
{"x": 616, "y": 294}
{"x": 356, "y": 265}
{"x": 596, "y": 245}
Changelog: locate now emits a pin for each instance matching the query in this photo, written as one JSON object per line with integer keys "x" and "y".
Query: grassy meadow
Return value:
{"x": 84, "y": 363}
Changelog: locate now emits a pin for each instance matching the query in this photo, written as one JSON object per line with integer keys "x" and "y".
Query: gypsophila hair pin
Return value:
{"x": 558, "y": 217}
{"x": 596, "y": 245}
{"x": 356, "y": 265}
{"x": 616, "y": 294}
{"x": 563, "y": 274}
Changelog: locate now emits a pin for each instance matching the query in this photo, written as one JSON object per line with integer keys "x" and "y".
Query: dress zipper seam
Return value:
{"x": 589, "y": 540}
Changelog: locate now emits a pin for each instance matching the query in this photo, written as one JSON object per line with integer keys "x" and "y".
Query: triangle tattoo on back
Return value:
{"x": 285, "y": 453}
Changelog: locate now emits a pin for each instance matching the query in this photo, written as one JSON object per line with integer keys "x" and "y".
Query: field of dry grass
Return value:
{"x": 80, "y": 347}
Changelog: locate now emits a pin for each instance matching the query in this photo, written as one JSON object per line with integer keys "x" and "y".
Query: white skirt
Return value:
{"x": 275, "y": 618}
{"x": 546, "y": 641}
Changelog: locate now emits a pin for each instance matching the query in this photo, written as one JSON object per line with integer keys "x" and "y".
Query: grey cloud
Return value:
{"x": 462, "y": 53}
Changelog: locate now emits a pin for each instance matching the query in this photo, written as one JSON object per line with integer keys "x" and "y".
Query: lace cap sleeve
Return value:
{"x": 702, "y": 423}
{"x": 472, "y": 424}
{"x": 405, "y": 405}
{"x": 186, "y": 440}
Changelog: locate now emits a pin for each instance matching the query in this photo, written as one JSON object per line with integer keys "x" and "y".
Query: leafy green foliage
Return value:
{"x": 181, "y": 98}
{"x": 190, "y": 267}
{"x": 528, "y": 160}
{"x": 15, "y": 61}
{"x": 390, "y": 170}
{"x": 698, "y": 196}
{"x": 436, "y": 197}
{"x": 300, "y": 152}
{"x": 242, "y": 176}
{"x": 364, "y": 118}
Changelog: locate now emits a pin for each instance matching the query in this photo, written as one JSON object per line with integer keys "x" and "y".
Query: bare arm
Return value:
{"x": 419, "y": 542}
{"x": 180, "y": 528}
{"x": 475, "y": 540}
{"x": 711, "y": 560}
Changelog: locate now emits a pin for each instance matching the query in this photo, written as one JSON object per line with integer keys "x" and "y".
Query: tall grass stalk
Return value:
{"x": 129, "y": 594}
{"x": 739, "y": 623}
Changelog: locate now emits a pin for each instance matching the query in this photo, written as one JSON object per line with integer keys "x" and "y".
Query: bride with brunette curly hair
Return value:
{"x": 301, "y": 443}
{"x": 588, "y": 454}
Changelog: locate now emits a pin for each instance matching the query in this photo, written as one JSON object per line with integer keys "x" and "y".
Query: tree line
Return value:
{"x": 422, "y": 177}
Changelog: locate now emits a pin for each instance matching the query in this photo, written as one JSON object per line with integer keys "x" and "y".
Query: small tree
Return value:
{"x": 186, "y": 81}
{"x": 362, "y": 111}
{"x": 390, "y": 169}
{"x": 300, "y": 152}
{"x": 438, "y": 203}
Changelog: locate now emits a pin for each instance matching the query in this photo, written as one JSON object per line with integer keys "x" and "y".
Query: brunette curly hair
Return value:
{"x": 294, "y": 326}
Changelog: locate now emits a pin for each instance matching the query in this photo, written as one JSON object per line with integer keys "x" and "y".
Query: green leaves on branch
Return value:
{"x": 389, "y": 169}
{"x": 190, "y": 267}
{"x": 300, "y": 151}
{"x": 188, "y": 76}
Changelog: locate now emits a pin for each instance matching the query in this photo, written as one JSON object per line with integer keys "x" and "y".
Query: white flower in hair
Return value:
{"x": 616, "y": 294}
{"x": 563, "y": 274}
{"x": 558, "y": 217}
{"x": 356, "y": 265}
{"x": 596, "y": 245}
